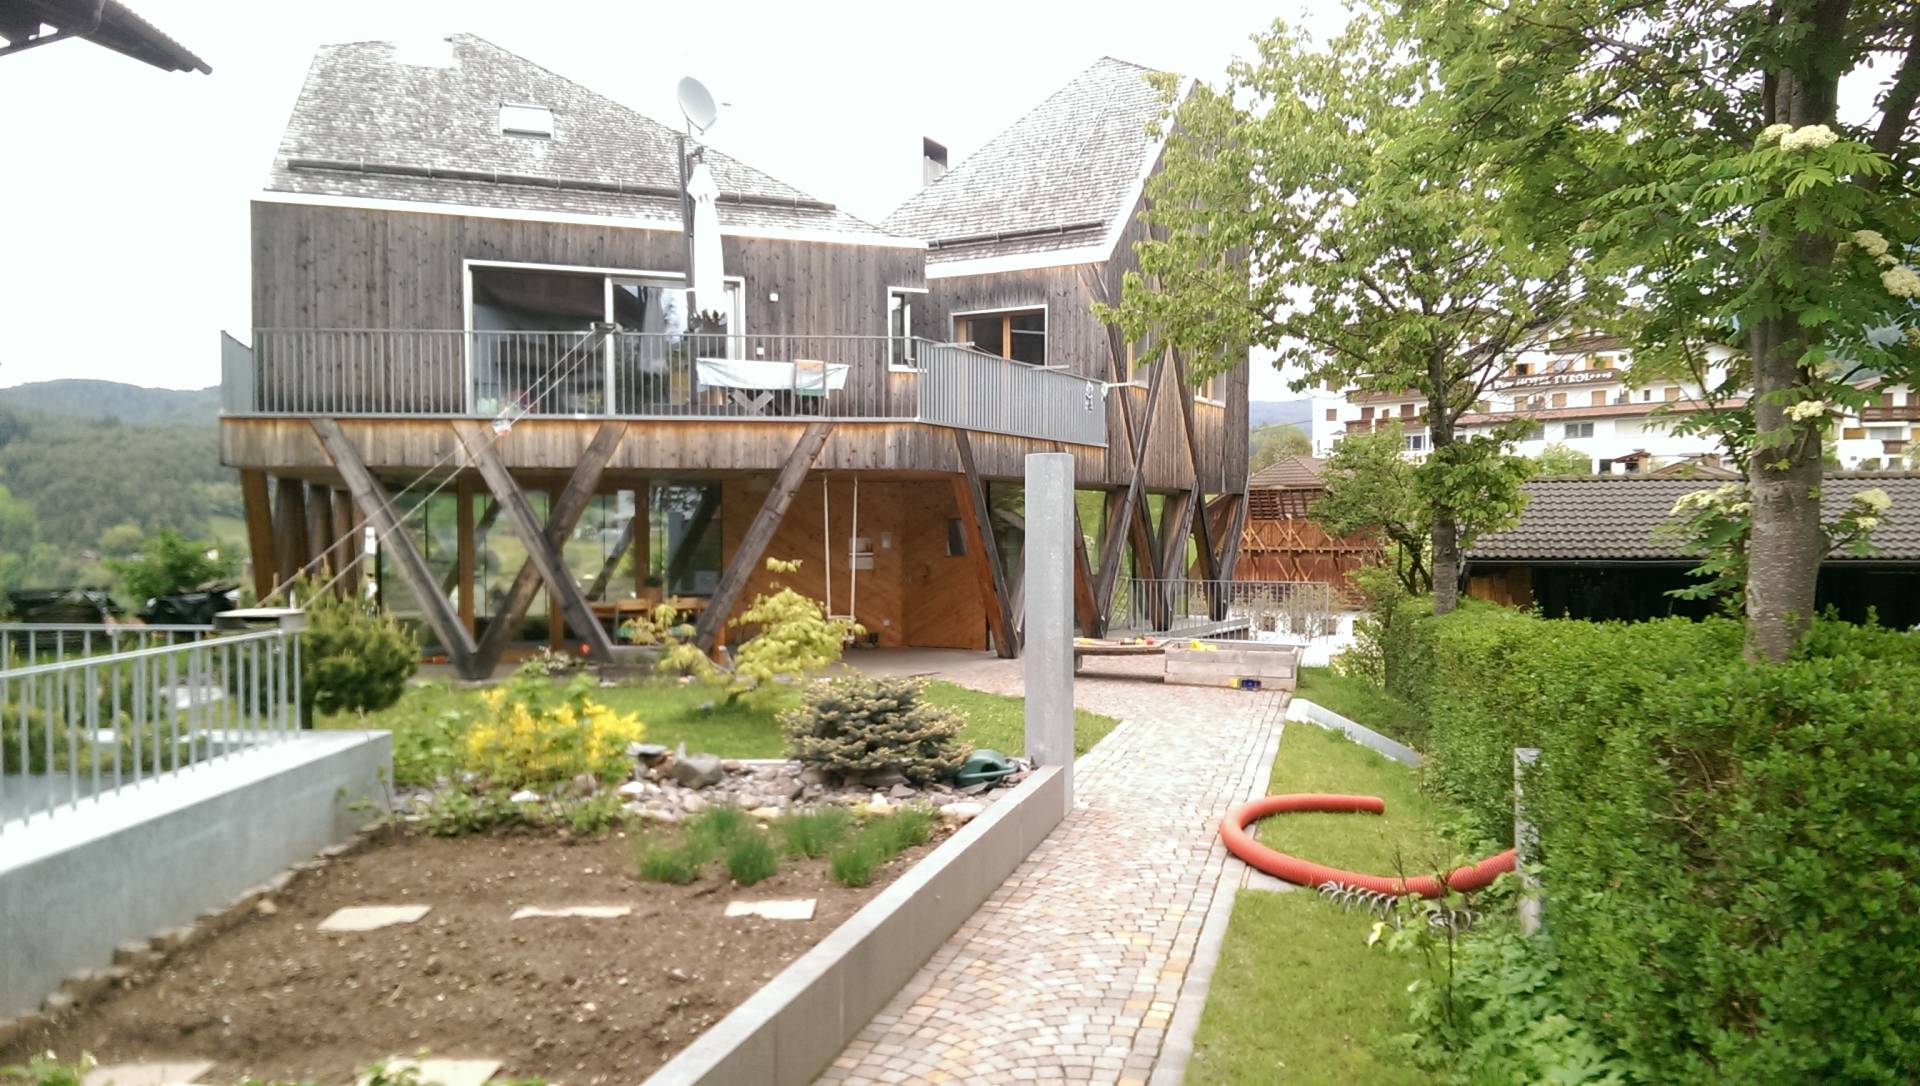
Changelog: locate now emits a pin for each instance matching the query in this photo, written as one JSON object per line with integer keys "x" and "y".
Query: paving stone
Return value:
{"x": 370, "y": 917}
{"x": 441, "y": 1072}
{"x": 146, "y": 1074}
{"x": 777, "y": 909}
{"x": 1071, "y": 970}
{"x": 585, "y": 912}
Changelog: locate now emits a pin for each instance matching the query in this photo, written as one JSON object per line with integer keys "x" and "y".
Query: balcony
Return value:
{"x": 615, "y": 374}
{"x": 1908, "y": 412}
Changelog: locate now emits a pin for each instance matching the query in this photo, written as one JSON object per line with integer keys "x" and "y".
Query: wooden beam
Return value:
{"x": 377, "y": 507}
{"x": 556, "y": 613}
{"x": 1132, "y": 509}
{"x": 463, "y": 565}
{"x": 1176, "y": 524}
{"x": 351, "y": 558}
{"x": 696, "y": 527}
{"x": 480, "y": 530}
{"x": 1086, "y": 613}
{"x": 598, "y": 588}
{"x": 289, "y": 526}
{"x": 733, "y": 580}
{"x": 257, "y": 503}
{"x": 971, "y": 498}
{"x": 319, "y": 530}
{"x": 544, "y": 547}
{"x": 1236, "y": 527}
{"x": 643, "y": 540}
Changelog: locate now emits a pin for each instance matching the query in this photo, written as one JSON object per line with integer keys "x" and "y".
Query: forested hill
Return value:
{"x": 87, "y": 468}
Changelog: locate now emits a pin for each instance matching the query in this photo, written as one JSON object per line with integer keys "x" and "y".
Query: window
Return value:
{"x": 1559, "y": 399}
{"x": 1887, "y": 433}
{"x": 1020, "y": 335}
{"x": 956, "y": 538}
{"x": 1406, "y": 410}
{"x": 1366, "y": 414}
{"x": 1416, "y": 442}
{"x": 1538, "y": 433}
{"x": 1672, "y": 393}
{"x": 901, "y": 353}
{"x": 1577, "y": 429}
{"x": 1854, "y": 433}
{"x": 526, "y": 120}
{"x": 1333, "y": 414}
{"x": 1646, "y": 395}
{"x": 1522, "y": 369}
{"x": 1599, "y": 398}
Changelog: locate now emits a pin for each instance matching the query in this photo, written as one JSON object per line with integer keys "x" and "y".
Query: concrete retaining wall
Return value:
{"x": 1226, "y": 663}
{"x": 157, "y": 855}
{"x": 1312, "y": 713}
{"x": 791, "y": 1029}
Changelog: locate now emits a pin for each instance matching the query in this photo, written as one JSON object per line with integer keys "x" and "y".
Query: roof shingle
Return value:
{"x": 1056, "y": 179}
{"x": 1614, "y": 517}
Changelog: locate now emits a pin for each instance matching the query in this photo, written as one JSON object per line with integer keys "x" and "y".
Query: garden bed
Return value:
{"x": 579, "y": 999}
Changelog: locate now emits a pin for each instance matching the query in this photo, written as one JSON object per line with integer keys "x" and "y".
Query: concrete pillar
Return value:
{"x": 1049, "y": 612}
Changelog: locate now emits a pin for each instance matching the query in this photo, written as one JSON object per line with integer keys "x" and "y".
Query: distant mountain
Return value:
{"x": 1293, "y": 412}
{"x": 131, "y": 404}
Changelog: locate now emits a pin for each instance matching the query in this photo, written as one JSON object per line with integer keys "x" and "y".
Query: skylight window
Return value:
{"x": 526, "y": 120}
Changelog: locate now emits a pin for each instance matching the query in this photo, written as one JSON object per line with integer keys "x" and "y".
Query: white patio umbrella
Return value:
{"x": 709, "y": 271}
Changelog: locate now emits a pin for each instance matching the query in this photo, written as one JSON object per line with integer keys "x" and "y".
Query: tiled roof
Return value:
{"x": 1613, "y": 517}
{"x": 1287, "y": 472}
{"x": 1066, "y": 168}
{"x": 374, "y": 120}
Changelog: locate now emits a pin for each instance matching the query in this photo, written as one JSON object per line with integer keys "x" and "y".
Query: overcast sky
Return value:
{"x": 126, "y": 188}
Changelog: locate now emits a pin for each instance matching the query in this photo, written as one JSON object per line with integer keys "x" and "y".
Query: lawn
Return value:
{"x": 1298, "y": 996}
{"x": 428, "y": 721}
{"x": 1359, "y": 700}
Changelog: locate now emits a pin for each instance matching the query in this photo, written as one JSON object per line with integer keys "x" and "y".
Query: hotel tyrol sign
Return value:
{"x": 1548, "y": 380}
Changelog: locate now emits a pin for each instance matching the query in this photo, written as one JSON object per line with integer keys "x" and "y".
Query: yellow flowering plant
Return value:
{"x": 533, "y": 732}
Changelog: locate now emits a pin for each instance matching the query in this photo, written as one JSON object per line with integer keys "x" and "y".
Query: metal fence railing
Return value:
{"x": 81, "y": 728}
{"x": 1192, "y": 607}
{"x": 611, "y": 373}
{"x": 24, "y": 643}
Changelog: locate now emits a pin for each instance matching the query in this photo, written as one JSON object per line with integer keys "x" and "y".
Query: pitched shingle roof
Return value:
{"x": 379, "y": 122}
{"x": 1613, "y": 517}
{"x": 1057, "y": 179}
{"x": 1287, "y": 473}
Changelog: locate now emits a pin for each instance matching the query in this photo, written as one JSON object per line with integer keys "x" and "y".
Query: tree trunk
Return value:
{"x": 1446, "y": 525}
{"x": 1783, "y": 474}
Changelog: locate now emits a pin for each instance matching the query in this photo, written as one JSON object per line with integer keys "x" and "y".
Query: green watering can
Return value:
{"x": 984, "y": 767}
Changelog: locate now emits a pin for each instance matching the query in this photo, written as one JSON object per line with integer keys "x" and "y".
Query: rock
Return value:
{"x": 792, "y": 789}
{"x": 525, "y": 795}
{"x": 884, "y": 778}
{"x": 902, "y": 791}
{"x": 975, "y": 789}
{"x": 732, "y": 765}
{"x": 57, "y": 1002}
{"x": 134, "y": 954}
{"x": 963, "y": 811}
{"x": 697, "y": 770}
{"x": 813, "y": 775}
{"x": 765, "y": 814}
{"x": 586, "y": 784}
{"x": 646, "y": 752}
{"x": 638, "y": 788}
{"x": 85, "y": 984}
{"x": 692, "y": 803}
{"x": 266, "y": 907}
{"x": 878, "y": 805}
{"x": 655, "y": 814}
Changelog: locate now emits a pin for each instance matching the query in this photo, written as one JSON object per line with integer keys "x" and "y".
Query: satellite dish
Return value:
{"x": 696, "y": 104}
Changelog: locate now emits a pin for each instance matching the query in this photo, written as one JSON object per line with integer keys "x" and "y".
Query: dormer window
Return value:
{"x": 526, "y": 120}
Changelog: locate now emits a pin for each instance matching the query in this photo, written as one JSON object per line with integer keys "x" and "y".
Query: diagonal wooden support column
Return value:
{"x": 378, "y": 508}
{"x": 598, "y": 589}
{"x": 257, "y": 501}
{"x": 706, "y": 632}
{"x": 543, "y": 562}
{"x": 1132, "y": 514}
{"x": 971, "y": 499}
{"x": 1086, "y": 613}
{"x": 682, "y": 556}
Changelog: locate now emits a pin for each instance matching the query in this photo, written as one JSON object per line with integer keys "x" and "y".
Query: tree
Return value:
{"x": 169, "y": 563}
{"x": 1315, "y": 203}
{"x": 1560, "y": 458}
{"x": 1373, "y": 489}
{"x": 1702, "y": 147}
{"x": 1268, "y": 445}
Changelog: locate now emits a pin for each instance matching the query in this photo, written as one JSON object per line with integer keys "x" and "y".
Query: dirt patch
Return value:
{"x": 584, "y": 1000}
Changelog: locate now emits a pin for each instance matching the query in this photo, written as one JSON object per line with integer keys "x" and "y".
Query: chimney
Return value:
{"x": 933, "y": 161}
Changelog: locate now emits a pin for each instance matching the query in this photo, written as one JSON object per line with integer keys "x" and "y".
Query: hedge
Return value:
{"x": 1728, "y": 849}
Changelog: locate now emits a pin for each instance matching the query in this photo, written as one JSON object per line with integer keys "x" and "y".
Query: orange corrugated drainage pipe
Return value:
{"x": 1233, "y": 831}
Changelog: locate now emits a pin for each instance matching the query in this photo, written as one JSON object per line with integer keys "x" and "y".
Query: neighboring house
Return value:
{"x": 1578, "y": 391}
{"x": 469, "y": 281}
{"x": 1281, "y": 542}
{"x": 1591, "y": 548}
{"x": 28, "y": 24}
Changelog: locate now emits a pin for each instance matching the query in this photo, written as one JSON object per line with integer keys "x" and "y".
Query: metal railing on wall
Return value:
{"x": 24, "y": 643}
{"x": 1190, "y": 606}
{"x": 82, "y": 728}
{"x": 611, "y": 373}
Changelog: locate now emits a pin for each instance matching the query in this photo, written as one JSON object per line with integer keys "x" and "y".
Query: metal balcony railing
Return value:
{"x": 611, "y": 373}
{"x": 1191, "y": 607}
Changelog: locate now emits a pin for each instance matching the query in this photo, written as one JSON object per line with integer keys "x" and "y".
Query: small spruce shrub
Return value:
{"x": 853, "y": 726}
{"x": 532, "y": 733}
{"x": 751, "y": 858}
{"x": 354, "y": 657}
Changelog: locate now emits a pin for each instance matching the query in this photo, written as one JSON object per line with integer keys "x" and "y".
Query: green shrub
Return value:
{"x": 168, "y": 563}
{"x": 813, "y": 833}
{"x": 905, "y": 828}
{"x": 719, "y": 826}
{"x": 853, "y": 863}
{"x": 750, "y": 858}
{"x": 353, "y": 657}
{"x": 678, "y": 863}
{"x": 854, "y": 726}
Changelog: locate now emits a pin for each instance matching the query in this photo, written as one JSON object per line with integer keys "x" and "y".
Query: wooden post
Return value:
{"x": 971, "y": 498}
{"x": 556, "y": 609}
{"x": 377, "y": 507}
{"x": 544, "y": 547}
{"x": 463, "y": 549}
{"x": 319, "y": 530}
{"x": 1133, "y": 516}
{"x": 1085, "y": 612}
{"x": 452, "y": 580}
{"x": 289, "y": 525}
{"x": 642, "y": 539}
{"x": 352, "y": 557}
{"x": 258, "y": 504}
{"x": 706, "y": 632}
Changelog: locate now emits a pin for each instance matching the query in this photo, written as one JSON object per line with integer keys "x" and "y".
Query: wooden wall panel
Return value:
{"x": 943, "y": 605}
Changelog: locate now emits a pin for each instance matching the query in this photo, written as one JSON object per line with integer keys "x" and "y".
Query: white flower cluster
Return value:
{"x": 1901, "y": 281}
{"x": 1729, "y": 499}
{"x": 1814, "y": 135}
{"x": 1872, "y": 241}
{"x": 1876, "y": 500}
{"x": 1773, "y": 132}
{"x": 1807, "y": 409}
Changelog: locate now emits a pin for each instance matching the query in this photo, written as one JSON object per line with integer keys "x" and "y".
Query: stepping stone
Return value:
{"x": 445, "y": 1072}
{"x": 774, "y": 909}
{"x": 370, "y": 917}
{"x": 588, "y": 912}
{"x": 145, "y": 1074}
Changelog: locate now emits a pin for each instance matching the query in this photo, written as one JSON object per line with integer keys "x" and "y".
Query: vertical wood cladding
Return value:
{"x": 332, "y": 267}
